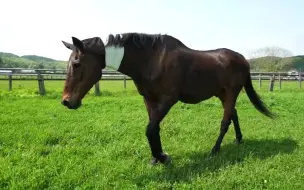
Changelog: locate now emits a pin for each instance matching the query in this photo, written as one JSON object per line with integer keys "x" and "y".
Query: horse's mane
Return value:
{"x": 140, "y": 40}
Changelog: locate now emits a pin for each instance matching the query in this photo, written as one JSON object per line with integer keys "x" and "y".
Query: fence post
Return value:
{"x": 41, "y": 84}
{"x": 280, "y": 81}
{"x": 260, "y": 81}
{"x": 271, "y": 84}
{"x": 125, "y": 82}
{"x": 97, "y": 90}
{"x": 300, "y": 78}
{"x": 10, "y": 82}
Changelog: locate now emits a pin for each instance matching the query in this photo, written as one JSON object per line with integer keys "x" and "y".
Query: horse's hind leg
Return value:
{"x": 235, "y": 120}
{"x": 228, "y": 98}
{"x": 237, "y": 129}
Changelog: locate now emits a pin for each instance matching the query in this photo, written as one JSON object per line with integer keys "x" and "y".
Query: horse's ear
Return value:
{"x": 78, "y": 44}
{"x": 68, "y": 45}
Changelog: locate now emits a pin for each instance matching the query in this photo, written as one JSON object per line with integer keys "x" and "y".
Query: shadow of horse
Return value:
{"x": 200, "y": 162}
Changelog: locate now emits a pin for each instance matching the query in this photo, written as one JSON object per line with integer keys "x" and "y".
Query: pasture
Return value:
{"x": 103, "y": 144}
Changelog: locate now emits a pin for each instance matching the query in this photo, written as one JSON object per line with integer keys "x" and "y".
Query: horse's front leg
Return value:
{"x": 153, "y": 136}
{"x": 157, "y": 110}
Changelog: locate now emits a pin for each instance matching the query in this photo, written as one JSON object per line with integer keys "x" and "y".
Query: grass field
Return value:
{"x": 103, "y": 144}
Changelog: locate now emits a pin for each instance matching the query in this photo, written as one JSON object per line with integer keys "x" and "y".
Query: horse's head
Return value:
{"x": 84, "y": 69}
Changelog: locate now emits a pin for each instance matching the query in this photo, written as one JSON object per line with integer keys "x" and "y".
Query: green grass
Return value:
{"x": 102, "y": 145}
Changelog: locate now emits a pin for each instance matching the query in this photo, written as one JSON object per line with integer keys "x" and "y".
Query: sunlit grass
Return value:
{"x": 103, "y": 145}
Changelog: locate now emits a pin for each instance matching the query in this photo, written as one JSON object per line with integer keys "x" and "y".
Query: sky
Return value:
{"x": 36, "y": 27}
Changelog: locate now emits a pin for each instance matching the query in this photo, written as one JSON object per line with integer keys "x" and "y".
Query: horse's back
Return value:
{"x": 233, "y": 67}
{"x": 207, "y": 73}
{"x": 190, "y": 75}
{"x": 200, "y": 72}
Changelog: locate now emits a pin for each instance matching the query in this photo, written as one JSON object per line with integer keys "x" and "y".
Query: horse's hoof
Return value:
{"x": 166, "y": 160}
{"x": 214, "y": 152}
{"x": 154, "y": 161}
{"x": 238, "y": 141}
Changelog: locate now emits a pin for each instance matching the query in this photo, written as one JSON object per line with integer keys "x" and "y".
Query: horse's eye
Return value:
{"x": 76, "y": 65}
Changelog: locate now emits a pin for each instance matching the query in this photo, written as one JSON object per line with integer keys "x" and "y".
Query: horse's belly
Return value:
{"x": 197, "y": 95}
{"x": 189, "y": 99}
{"x": 195, "y": 91}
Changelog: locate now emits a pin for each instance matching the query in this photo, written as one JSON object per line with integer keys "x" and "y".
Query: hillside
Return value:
{"x": 9, "y": 60}
{"x": 298, "y": 62}
{"x": 38, "y": 58}
{"x": 270, "y": 63}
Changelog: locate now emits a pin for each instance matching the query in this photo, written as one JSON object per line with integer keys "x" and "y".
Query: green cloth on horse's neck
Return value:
{"x": 114, "y": 56}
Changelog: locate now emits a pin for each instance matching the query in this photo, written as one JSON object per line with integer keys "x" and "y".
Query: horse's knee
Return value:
{"x": 224, "y": 125}
{"x": 234, "y": 115}
{"x": 234, "y": 112}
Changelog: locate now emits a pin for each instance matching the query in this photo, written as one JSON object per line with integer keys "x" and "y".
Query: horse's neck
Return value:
{"x": 114, "y": 56}
{"x": 117, "y": 60}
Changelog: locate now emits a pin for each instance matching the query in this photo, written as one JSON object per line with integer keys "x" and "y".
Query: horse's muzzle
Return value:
{"x": 71, "y": 104}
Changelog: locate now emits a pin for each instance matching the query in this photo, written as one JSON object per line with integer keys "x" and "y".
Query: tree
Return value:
{"x": 53, "y": 67}
{"x": 271, "y": 58}
{"x": 41, "y": 66}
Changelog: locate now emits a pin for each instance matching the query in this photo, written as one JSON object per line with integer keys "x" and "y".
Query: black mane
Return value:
{"x": 138, "y": 39}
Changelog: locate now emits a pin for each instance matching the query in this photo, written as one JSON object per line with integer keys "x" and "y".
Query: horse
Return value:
{"x": 164, "y": 71}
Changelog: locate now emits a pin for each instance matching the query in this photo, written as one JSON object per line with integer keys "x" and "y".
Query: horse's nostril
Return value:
{"x": 65, "y": 103}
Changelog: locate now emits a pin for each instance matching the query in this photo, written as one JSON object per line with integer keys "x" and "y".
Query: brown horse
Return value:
{"x": 164, "y": 71}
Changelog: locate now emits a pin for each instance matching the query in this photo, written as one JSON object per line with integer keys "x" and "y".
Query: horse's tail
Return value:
{"x": 255, "y": 99}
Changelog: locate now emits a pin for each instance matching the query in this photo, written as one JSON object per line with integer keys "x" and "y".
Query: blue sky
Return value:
{"x": 37, "y": 27}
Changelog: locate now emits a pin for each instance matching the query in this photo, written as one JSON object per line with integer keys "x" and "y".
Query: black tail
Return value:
{"x": 255, "y": 99}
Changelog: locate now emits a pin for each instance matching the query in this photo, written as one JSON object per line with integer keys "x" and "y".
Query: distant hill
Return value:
{"x": 298, "y": 62}
{"x": 38, "y": 58}
{"x": 2, "y": 54}
{"x": 9, "y": 60}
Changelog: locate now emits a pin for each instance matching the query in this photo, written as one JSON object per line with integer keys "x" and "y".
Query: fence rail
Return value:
{"x": 41, "y": 75}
